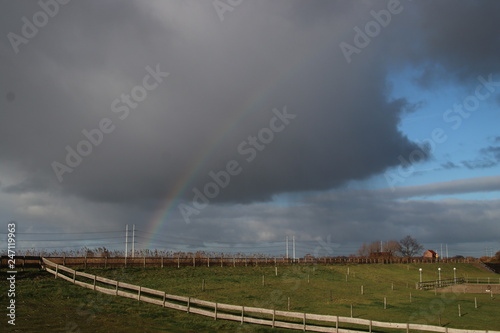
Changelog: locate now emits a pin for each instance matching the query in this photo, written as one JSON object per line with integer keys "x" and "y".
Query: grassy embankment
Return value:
{"x": 48, "y": 304}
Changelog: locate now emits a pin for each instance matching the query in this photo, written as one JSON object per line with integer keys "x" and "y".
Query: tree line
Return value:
{"x": 406, "y": 247}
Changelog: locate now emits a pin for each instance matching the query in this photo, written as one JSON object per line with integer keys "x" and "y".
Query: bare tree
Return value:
{"x": 410, "y": 246}
{"x": 392, "y": 247}
{"x": 389, "y": 248}
{"x": 366, "y": 249}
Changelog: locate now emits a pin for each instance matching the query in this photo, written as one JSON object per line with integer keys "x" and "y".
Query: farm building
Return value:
{"x": 430, "y": 254}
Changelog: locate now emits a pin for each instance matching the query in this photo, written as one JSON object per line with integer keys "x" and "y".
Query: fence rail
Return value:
{"x": 239, "y": 313}
{"x": 482, "y": 280}
{"x": 426, "y": 285}
{"x": 195, "y": 260}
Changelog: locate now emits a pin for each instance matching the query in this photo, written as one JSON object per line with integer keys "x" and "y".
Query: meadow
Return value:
{"x": 58, "y": 306}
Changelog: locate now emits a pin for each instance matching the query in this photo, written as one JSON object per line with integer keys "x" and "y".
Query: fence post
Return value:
{"x": 57, "y": 267}
{"x": 242, "y": 314}
{"x": 304, "y": 322}
{"x": 370, "y": 327}
{"x": 95, "y": 279}
{"x": 164, "y": 297}
{"x": 215, "y": 311}
{"x": 139, "y": 294}
{"x": 74, "y": 276}
{"x": 337, "y": 324}
{"x": 116, "y": 290}
{"x": 407, "y": 327}
{"x": 189, "y": 304}
{"x": 274, "y": 315}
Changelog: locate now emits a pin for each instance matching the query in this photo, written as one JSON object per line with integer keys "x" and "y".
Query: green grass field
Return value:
{"x": 54, "y": 305}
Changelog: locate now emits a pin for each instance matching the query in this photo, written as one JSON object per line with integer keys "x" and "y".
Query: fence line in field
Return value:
{"x": 271, "y": 317}
{"x": 426, "y": 285}
{"x": 481, "y": 280}
{"x": 226, "y": 261}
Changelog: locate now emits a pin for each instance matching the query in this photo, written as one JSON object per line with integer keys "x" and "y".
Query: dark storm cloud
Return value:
{"x": 67, "y": 77}
{"x": 267, "y": 55}
{"x": 460, "y": 43}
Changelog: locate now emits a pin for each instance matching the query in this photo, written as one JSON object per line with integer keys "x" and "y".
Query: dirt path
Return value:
{"x": 472, "y": 288}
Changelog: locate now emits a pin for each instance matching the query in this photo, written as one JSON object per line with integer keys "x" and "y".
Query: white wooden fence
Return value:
{"x": 242, "y": 314}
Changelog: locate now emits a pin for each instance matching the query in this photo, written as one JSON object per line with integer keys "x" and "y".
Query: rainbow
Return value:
{"x": 162, "y": 214}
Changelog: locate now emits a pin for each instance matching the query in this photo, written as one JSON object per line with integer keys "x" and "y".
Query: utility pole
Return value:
{"x": 126, "y": 240}
{"x": 293, "y": 239}
{"x": 446, "y": 250}
{"x": 441, "y": 253}
{"x": 287, "y": 247}
{"x": 133, "y": 240}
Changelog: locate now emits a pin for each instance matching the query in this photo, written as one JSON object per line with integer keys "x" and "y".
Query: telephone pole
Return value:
{"x": 287, "y": 247}
{"x": 133, "y": 240}
{"x": 126, "y": 240}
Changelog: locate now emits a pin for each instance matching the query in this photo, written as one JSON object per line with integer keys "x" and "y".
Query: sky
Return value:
{"x": 228, "y": 126}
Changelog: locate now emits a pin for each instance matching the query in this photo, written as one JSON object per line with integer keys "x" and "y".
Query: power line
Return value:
{"x": 62, "y": 233}
{"x": 66, "y": 240}
{"x": 63, "y": 247}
